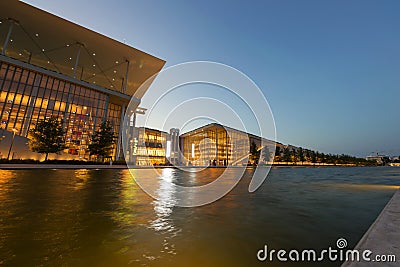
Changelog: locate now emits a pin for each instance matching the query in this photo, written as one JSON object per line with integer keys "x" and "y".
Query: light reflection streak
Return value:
{"x": 5, "y": 177}
{"x": 163, "y": 207}
{"x": 82, "y": 177}
{"x": 366, "y": 186}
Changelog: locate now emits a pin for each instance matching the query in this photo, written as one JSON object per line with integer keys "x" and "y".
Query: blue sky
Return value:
{"x": 330, "y": 70}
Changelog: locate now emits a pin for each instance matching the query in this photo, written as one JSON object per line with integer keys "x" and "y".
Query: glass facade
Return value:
{"x": 28, "y": 96}
{"x": 150, "y": 147}
{"x": 215, "y": 145}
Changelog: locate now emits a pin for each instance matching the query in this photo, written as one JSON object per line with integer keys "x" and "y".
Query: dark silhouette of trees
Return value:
{"x": 287, "y": 155}
{"x": 313, "y": 157}
{"x": 255, "y": 153}
{"x": 277, "y": 154}
{"x": 265, "y": 154}
{"x": 47, "y": 137}
{"x": 301, "y": 155}
{"x": 294, "y": 155}
{"x": 102, "y": 141}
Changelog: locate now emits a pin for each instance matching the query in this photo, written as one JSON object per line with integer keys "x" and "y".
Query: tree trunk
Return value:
{"x": 47, "y": 154}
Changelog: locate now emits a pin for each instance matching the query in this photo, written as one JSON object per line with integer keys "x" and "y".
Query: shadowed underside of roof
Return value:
{"x": 53, "y": 43}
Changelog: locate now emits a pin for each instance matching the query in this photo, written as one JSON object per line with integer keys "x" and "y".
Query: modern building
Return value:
{"x": 218, "y": 145}
{"x": 52, "y": 67}
{"x": 173, "y": 152}
{"x": 150, "y": 148}
{"x": 380, "y": 159}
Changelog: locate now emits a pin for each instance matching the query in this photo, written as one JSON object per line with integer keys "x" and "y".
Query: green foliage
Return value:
{"x": 301, "y": 154}
{"x": 287, "y": 155}
{"x": 313, "y": 157}
{"x": 255, "y": 153}
{"x": 277, "y": 157}
{"x": 47, "y": 137}
{"x": 294, "y": 155}
{"x": 265, "y": 154}
{"x": 102, "y": 140}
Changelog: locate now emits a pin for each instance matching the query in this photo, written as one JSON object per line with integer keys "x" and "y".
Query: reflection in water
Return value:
{"x": 366, "y": 186}
{"x": 166, "y": 201}
{"x": 82, "y": 177}
{"x": 102, "y": 217}
{"x": 5, "y": 183}
{"x": 163, "y": 207}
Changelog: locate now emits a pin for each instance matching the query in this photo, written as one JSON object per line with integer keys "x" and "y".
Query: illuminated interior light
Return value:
{"x": 37, "y": 35}
{"x": 116, "y": 62}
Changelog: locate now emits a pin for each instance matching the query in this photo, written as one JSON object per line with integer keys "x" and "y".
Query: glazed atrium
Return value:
{"x": 52, "y": 67}
{"x": 218, "y": 145}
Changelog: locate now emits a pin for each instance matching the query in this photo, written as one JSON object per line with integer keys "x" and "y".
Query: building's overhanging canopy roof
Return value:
{"x": 53, "y": 43}
{"x": 214, "y": 126}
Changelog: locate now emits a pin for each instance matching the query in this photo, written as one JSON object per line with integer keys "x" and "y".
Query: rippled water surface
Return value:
{"x": 102, "y": 218}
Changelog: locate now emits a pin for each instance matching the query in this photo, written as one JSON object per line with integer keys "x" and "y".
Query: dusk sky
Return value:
{"x": 330, "y": 70}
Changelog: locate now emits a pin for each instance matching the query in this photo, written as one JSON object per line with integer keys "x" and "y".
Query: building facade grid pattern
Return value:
{"x": 28, "y": 96}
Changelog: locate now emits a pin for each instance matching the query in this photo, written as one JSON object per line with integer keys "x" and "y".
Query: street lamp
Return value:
{"x": 12, "y": 142}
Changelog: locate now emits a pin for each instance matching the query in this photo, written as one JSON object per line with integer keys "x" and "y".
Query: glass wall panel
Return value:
{"x": 27, "y": 97}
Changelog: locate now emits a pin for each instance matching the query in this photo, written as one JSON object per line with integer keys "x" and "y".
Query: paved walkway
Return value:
{"x": 58, "y": 166}
{"x": 383, "y": 237}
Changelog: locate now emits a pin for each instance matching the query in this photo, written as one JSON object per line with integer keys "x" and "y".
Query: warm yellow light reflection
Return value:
{"x": 82, "y": 177}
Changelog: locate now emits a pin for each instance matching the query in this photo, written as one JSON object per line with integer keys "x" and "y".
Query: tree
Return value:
{"x": 294, "y": 155}
{"x": 322, "y": 157}
{"x": 308, "y": 155}
{"x": 102, "y": 140}
{"x": 301, "y": 155}
{"x": 287, "y": 154}
{"x": 265, "y": 154}
{"x": 47, "y": 137}
{"x": 255, "y": 153}
{"x": 313, "y": 157}
{"x": 277, "y": 153}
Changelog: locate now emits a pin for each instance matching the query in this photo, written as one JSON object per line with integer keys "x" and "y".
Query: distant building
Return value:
{"x": 380, "y": 159}
{"x": 150, "y": 147}
{"x": 218, "y": 145}
{"x": 173, "y": 152}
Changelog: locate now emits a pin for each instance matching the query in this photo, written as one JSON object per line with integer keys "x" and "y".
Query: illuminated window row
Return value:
{"x": 27, "y": 97}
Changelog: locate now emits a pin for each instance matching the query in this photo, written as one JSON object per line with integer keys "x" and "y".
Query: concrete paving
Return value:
{"x": 57, "y": 166}
{"x": 383, "y": 237}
